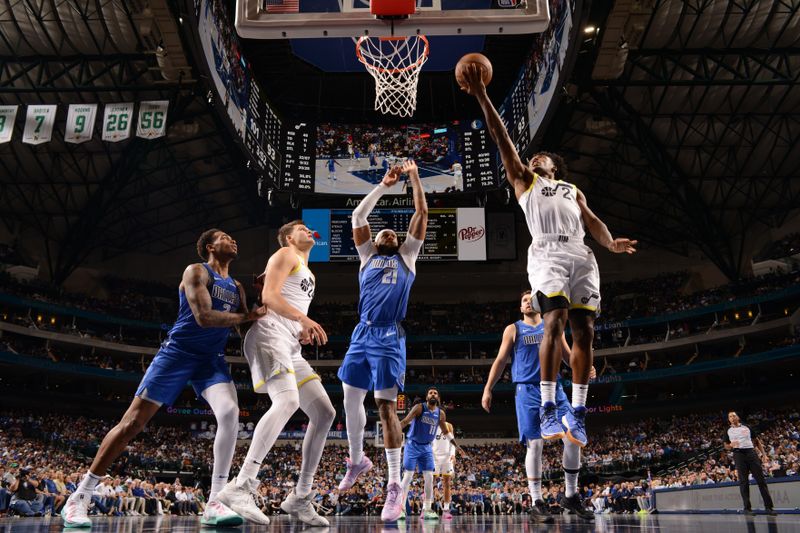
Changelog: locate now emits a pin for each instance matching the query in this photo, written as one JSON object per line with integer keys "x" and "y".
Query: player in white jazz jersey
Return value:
{"x": 444, "y": 459}
{"x": 272, "y": 348}
{"x": 562, "y": 270}
{"x": 457, "y": 175}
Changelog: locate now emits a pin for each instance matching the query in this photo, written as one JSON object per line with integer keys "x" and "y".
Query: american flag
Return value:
{"x": 282, "y": 6}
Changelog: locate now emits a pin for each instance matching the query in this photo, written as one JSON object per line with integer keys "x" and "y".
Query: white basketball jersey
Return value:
{"x": 298, "y": 290}
{"x": 551, "y": 208}
{"x": 441, "y": 445}
{"x": 457, "y": 169}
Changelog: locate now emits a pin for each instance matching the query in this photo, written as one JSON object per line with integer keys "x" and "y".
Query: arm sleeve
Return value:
{"x": 409, "y": 251}
{"x": 361, "y": 213}
{"x": 726, "y": 438}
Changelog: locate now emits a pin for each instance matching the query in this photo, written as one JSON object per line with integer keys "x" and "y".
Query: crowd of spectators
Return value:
{"x": 52, "y": 451}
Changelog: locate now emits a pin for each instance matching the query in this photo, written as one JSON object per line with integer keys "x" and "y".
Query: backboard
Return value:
{"x": 298, "y": 19}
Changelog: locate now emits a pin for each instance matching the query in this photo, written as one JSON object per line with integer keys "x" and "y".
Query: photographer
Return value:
{"x": 24, "y": 500}
{"x": 6, "y": 479}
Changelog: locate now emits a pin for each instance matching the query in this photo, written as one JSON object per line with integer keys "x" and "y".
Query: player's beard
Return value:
{"x": 385, "y": 249}
{"x": 433, "y": 401}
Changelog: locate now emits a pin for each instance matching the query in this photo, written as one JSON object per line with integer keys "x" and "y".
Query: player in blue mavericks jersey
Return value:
{"x": 376, "y": 358}
{"x": 211, "y": 302}
{"x": 520, "y": 345}
{"x": 424, "y": 418}
{"x": 332, "y": 168}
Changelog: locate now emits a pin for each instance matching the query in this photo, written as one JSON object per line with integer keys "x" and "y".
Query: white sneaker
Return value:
{"x": 75, "y": 511}
{"x": 240, "y": 500}
{"x": 217, "y": 514}
{"x": 302, "y": 509}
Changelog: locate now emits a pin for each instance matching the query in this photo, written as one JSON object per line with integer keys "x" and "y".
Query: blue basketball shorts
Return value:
{"x": 528, "y": 399}
{"x": 376, "y": 358}
{"x": 172, "y": 369}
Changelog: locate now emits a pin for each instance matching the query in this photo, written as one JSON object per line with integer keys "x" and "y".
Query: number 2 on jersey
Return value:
{"x": 389, "y": 276}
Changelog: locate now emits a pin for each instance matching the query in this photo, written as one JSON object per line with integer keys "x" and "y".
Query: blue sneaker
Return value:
{"x": 549, "y": 425}
{"x": 575, "y": 422}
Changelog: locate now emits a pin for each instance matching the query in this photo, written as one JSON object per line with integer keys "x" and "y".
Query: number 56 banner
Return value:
{"x": 152, "y": 119}
{"x": 39, "y": 124}
{"x": 80, "y": 123}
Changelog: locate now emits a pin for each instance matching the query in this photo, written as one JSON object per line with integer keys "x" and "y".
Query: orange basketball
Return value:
{"x": 478, "y": 59}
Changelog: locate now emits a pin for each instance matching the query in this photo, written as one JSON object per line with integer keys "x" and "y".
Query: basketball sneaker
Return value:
{"x": 549, "y": 425}
{"x": 393, "y": 506}
{"x": 217, "y": 514}
{"x": 429, "y": 514}
{"x": 446, "y": 515}
{"x": 574, "y": 504}
{"x": 575, "y": 422}
{"x": 240, "y": 500}
{"x": 302, "y": 508}
{"x": 540, "y": 513}
{"x": 75, "y": 511}
{"x": 353, "y": 471}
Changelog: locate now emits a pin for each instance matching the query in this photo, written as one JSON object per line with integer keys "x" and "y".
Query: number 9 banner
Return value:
{"x": 152, "y": 119}
{"x": 80, "y": 123}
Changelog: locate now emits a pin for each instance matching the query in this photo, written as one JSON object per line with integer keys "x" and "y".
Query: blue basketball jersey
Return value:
{"x": 385, "y": 283}
{"x": 525, "y": 367}
{"x": 372, "y": 161}
{"x": 423, "y": 428}
{"x": 331, "y": 164}
{"x": 188, "y": 336}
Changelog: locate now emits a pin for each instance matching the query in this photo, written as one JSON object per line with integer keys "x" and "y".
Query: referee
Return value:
{"x": 740, "y": 439}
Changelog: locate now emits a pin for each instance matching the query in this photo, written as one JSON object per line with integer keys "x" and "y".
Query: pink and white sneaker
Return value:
{"x": 353, "y": 471}
{"x": 393, "y": 507}
{"x": 447, "y": 516}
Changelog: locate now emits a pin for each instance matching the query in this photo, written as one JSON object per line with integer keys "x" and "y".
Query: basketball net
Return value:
{"x": 394, "y": 63}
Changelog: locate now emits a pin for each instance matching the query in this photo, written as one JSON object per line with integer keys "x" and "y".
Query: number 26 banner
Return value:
{"x": 80, "y": 123}
{"x": 117, "y": 119}
{"x": 152, "y": 119}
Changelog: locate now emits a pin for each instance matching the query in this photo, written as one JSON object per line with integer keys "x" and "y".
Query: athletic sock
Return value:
{"x": 535, "y": 488}
{"x": 579, "y": 393}
{"x": 548, "y": 389}
{"x": 393, "y": 460}
{"x": 88, "y": 483}
{"x": 249, "y": 471}
{"x": 446, "y": 506}
{"x": 217, "y": 484}
{"x": 571, "y": 483}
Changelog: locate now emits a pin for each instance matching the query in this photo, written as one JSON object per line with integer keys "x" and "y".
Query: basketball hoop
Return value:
{"x": 395, "y": 63}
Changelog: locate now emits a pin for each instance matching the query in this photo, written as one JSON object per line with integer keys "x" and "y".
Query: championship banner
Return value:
{"x": 80, "y": 123}
{"x": 8, "y": 113}
{"x": 39, "y": 124}
{"x": 152, "y": 119}
{"x": 117, "y": 120}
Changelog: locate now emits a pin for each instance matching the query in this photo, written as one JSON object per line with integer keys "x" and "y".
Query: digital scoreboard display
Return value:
{"x": 298, "y": 157}
{"x": 480, "y": 167}
{"x": 453, "y": 234}
{"x": 259, "y": 137}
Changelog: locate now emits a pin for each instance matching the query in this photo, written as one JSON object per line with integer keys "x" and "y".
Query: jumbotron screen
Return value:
{"x": 452, "y": 157}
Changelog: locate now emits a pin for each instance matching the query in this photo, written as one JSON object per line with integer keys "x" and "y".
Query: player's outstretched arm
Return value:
{"x": 499, "y": 365}
{"x": 419, "y": 222}
{"x": 279, "y": 266}
{"x": 517, "y": 173}
{"x": 412, "y": 414}
{"x": 243, "y": 303}
{"x": 600, "y": 232}
{"x": 361, "y": 233}
{"x": 195, "y": 287}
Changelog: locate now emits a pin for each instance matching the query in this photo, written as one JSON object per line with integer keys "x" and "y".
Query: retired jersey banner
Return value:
{"x": 39, "y": 124}
{"x": 80, "y": 123}
{"x": 152, "y": 119}
{"x": 117, "y": 120}
{"x": 8, "y": 113}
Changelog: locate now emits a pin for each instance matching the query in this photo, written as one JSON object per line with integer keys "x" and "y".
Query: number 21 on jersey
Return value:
{"x": 389, "y": 276}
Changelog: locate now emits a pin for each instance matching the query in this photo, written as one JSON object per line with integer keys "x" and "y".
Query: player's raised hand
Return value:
{"x": 410, "y": 167}
{"x": 392, "y": 175}
{"x": 472, "y": 78}
{"x": 593, "y": 373}
{"x": 312, "y": 333}
{"x": 486, "y": 401}
{"x": 623, "y": 246}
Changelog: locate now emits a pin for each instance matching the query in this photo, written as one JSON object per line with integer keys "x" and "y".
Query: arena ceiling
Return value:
{"x": 680, "y": 123}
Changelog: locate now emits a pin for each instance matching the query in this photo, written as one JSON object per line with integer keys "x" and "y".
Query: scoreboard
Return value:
{"x": 262, "y": 134}
{"x": 300, "y": 141}
{"x": 453, "y": 234}
{"x": 478, "y": 151}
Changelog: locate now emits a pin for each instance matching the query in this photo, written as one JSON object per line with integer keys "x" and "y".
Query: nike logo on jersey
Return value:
{"x": 390, "y": 333}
